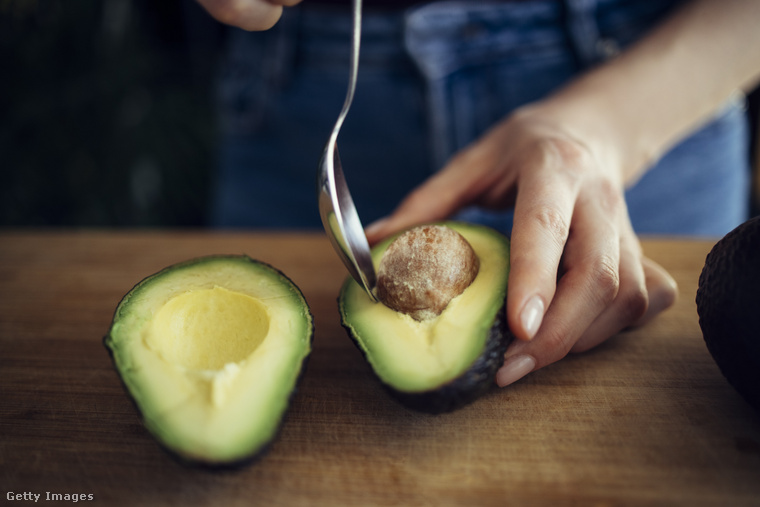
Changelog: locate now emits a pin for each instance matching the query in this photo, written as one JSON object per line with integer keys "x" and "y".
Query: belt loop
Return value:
{"x": 583, "y": 30}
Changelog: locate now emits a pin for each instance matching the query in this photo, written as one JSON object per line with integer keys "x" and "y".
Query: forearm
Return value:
{"x": 649, "y": 97}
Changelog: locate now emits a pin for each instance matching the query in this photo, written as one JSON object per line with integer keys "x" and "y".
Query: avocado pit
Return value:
{"x": 423, "y": 269}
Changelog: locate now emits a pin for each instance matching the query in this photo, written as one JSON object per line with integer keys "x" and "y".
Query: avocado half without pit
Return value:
{"x": 439, "y": 334}
{"x": 210, "y": 351}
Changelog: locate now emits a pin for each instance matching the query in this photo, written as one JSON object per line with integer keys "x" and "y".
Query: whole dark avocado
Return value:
{"x": 728, "y": 304}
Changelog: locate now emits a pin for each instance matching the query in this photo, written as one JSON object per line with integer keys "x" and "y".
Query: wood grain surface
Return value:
{"x": 644, "y": 419}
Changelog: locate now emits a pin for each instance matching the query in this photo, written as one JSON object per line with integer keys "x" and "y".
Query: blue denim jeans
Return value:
{"x": 431, "y": 80}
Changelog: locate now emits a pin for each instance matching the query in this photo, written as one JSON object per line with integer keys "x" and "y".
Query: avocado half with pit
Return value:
{"x": 210, "y": 351}
{"x": 443, "y": 363}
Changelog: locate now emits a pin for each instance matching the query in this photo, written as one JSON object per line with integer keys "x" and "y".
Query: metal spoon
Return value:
{"x": 336, "y": 207}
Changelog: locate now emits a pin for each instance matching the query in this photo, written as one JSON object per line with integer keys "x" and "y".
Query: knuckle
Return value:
{"x": 568, "y": 154}
{"x": 633, "y": 303}
{"x": 552, "y": 220}
{"x": 605, "y": 279}
{"x": 610, "y": 197}
{"x": 572, "y": 152}
{"x": 555, "y": 347}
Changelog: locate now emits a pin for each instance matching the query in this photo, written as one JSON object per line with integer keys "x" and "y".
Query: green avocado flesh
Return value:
{"x": 210, "y": 351}
{"x": 439, "y": 364}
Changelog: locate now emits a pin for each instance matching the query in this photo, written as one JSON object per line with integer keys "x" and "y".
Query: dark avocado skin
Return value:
{"x": 466, "y": 388}
{"x": 196, "y": 462}
{"x": 728, "y": 304}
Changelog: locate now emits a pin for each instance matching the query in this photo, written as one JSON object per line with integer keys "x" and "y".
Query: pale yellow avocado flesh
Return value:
{"x": 210, "y": 352}
{"x": 415, "y": 356}
{"x": 206, "y": 329}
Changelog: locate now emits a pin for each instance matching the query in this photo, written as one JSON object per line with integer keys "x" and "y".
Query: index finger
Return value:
{"x": 543, "y": 213}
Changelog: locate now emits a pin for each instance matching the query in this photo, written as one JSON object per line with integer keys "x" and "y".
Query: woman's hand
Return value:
{"x": 577, "y": 274}
{"x": 247, "y": 14}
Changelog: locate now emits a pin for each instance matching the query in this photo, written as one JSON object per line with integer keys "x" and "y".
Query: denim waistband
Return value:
{"x": 594, "y": 29}
{"x": 433, "y": 39}
{"x": 475, "y": 32}
{"x": 319, "y": 34}
{"x": 446, "y": 36}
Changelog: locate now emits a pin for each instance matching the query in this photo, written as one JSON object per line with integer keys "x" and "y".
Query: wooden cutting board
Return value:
{"x": 644, "y": 419}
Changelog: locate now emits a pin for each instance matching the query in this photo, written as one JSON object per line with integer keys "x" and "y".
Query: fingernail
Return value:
{"x": 514, "y": 369}
{"x": 531, "y": 316}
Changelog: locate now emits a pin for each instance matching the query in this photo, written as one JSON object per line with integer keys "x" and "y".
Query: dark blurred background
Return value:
{"x": 106, "y": 112}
